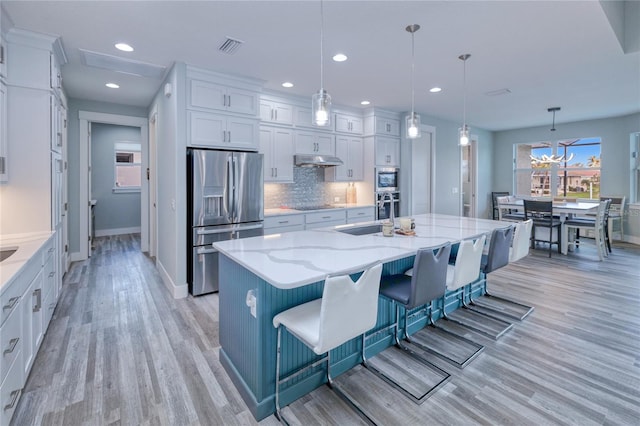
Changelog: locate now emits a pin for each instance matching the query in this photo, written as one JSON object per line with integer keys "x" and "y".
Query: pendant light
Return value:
{"x": 553, "y": 124}
{"x": 464, "y": 130}
{"x": 321, "y": 101}
{"x": 413, "y": 120}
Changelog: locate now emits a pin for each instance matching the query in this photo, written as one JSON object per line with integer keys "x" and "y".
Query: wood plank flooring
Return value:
{"x": 121, "y": 350}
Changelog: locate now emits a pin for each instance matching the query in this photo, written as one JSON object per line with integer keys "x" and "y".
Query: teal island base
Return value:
{"x": 248, "y": 338}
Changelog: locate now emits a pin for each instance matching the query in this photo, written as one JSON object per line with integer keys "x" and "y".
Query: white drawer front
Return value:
{"x": 283, "y": 220}
{"x": 10, "y": 342}
{"x": 283, "y": 229}
{"x": 325, "y": 224}
{"x": 10, "y": 392}
{"x": 360, "y": 213}
{"x": 325, "y": 216}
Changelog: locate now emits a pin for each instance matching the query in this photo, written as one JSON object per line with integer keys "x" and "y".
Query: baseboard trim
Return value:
{"x": 117, "y": 231}
{"x": 76, "y": 257}
{"x": 177, "y": 291}
{"x": 632, "y": 239}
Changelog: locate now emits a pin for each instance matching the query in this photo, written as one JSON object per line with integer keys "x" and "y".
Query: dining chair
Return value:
{"x": 505, "y": 213}
{"x": 346, "y": 310}
{"x": 541, "y": 212}
{"x": 425, "y": 284}
{"x": 494, "y": 202}
{"x": 597, "y": 225}
{"x": 616, "y": 214}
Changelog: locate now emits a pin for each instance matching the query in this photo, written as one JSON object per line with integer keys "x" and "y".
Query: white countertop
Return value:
{"x": 286, "y": 210}
{"x": 294, "y": 259}
{"x": 28, "y": 245}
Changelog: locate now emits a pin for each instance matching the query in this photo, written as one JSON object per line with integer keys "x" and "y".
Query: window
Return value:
{"x": 128, "y": 167}
{"x": 567, "y": 168}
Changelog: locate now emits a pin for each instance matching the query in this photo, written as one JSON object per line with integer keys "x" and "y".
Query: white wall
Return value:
{"x": 172, "y": 181}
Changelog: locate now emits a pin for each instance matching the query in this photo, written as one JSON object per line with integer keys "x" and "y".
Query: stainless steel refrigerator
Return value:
{"x": 225, "y": 201}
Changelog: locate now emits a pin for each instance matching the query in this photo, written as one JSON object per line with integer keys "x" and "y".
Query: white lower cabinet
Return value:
{"x": 361, "y": 214}
{"x": 325, "y": 218}
{"x": 283, "y": 223}
{"x": 27, "y": 303}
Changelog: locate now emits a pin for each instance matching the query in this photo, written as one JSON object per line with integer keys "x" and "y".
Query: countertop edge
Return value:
{"x": 28, "y": 245}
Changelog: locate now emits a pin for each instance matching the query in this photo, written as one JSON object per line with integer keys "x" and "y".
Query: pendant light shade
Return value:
{"x": 413, "y": 119}
{"x": 321, "y": 101}
{"x": 464, "y": 130}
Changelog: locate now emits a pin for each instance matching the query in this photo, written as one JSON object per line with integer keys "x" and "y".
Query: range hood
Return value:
{"x": 316, "y": 161}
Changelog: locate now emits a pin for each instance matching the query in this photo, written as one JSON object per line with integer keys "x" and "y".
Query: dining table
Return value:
{"x": 565, "y": 209}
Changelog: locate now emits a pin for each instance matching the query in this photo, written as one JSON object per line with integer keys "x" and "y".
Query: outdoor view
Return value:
{"x": 566, "y": 168}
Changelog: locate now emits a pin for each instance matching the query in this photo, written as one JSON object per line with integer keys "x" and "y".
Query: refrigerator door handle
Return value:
{"x": 226, "y": 229}
{"x": 203, "y": 250}
{"x": 236, "y": 180}
{"x": 230, "y": 190}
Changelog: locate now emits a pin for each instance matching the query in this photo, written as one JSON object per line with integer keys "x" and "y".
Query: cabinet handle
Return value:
{"x": 326, "y": 217}
{"x": 271, "y": 115}
{"x": 276, "y": 172}
{"x": 12, "y": 303}
{"x": 14, "y": 398}
{"x": 224, "y": 100}
{"x": 229, "y": 135}
{"x": 276, "y": 115}
{"x": 12, "y": 345}
{"x": 282, "y": 222}
{"x": 51, "y": 274}
{"x": 50, "y": 250}
{"x": 38, "y": 292}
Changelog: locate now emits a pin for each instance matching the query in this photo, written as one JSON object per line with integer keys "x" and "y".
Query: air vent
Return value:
{"x": 230, "y": 45}
{"x": 498, "y": 92}
{"x": 126, "y": 66}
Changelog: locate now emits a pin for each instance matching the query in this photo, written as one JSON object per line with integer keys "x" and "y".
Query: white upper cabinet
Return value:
{"x": 351, "y": 151}
{"x": 385, "y": 126}
{"x": 302, "y": 117}
{"x": 276, "y": 143}
{"x": 317, "y": 143}
{"x": 348, "y": 124}
{"x": 209, "y": 95}
{"x": 387, "y": 151}
{"x": 276, "y": 112}
{"x": 4, "y": 159}
{"x": 222, "y": 131}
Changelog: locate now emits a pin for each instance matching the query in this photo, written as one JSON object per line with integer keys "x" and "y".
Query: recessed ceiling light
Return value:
{"x": 340, "y": 57}
{"x": 435, "y": 90}
{"x": 287, "y": 84}
{"x": 112, "y": 86}
{"x": 365, "y": 103}
{"x": 124, "y": 47}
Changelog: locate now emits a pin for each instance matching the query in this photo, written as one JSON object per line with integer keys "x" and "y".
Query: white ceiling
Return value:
{"x": 557, "y": 53}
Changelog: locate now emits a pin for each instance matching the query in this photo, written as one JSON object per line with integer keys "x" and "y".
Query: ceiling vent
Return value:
{"x": 230, "y": 45}
{"x": 125, "y": 66}
{"x": 498, "y": 92}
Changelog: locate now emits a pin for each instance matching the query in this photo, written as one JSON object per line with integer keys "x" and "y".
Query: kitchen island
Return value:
{"x": 262, "y": 276}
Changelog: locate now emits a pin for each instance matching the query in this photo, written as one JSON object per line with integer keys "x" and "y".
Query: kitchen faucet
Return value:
{"x": 391, "y": 201}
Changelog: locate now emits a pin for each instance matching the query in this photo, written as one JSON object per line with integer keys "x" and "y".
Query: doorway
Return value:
{"x": 469, "y": 178}
{"x": 85, "y": 223}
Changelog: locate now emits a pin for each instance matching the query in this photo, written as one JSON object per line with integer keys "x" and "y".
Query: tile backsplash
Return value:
{"x": 308, "y": 189}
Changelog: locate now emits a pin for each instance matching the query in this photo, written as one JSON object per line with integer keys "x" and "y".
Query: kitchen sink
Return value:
{"x": 362, "y": 230}
{"x": 6, "y": 252}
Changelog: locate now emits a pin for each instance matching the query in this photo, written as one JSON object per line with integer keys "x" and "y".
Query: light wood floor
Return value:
{"x": 120, "y": 350}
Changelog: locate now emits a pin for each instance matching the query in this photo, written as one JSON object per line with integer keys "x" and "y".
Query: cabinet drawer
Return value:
{"x": 325, "y": 216}
{"x": 283, "y": 229}
{"x": 361, "y": 213}
{"x": 10, "y": 342}
{"x": 10, "y": 392}
{"x": 11, "y": 297}
{"x": 284, "y": 220}
{"x": 325, "y": 224}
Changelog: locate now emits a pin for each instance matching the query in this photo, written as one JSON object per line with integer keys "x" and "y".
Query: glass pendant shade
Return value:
{"x": 464, "y": 135}
{"x": 413, "y": 126}
{"x": 321, "y": 105}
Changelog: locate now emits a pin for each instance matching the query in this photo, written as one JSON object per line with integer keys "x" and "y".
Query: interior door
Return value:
{"x": 468, "y": 178}
{"x": 90, "y": 203}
